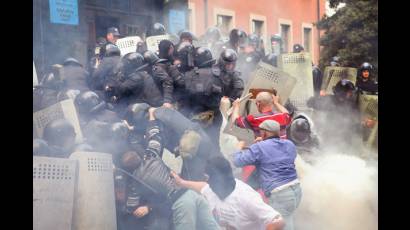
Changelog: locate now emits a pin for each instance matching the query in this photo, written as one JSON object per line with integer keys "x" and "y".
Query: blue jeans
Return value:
{"x": 191, "y": 211}
{"x": 285, "y": 202}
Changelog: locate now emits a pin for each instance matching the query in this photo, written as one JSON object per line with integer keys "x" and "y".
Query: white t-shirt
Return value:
{"x": 242, "y": 209}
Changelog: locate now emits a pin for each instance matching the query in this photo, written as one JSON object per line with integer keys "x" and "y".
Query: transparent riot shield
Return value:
{"x": 334, "y": 74}
{"x": 264, "y": 78}
{"x": 63, "y": 109}
{"x": 128, "y": 44}
{"x": 94, "y": 203}
{"x": 299, "y": 65}
{"x": 54, "y": 181}
{"x": 153, "y": 41}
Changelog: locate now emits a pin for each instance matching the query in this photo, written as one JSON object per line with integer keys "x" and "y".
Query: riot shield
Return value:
{"x": 35, "y": 79}
{"x": 153, "y": 41}
{"x": 299, "y": 65}
{"x": 54, "y": 181}
{"x": 264, "y": 78}
{"x": 128, "y": 44}
{"x": 368, "y": 106}
{"x": 63, "y": 109}
{"x": 94, "y": 203}
{"x": 334, "y": 74}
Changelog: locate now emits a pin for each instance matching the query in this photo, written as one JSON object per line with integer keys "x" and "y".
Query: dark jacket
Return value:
{"x": 233, "y": 84}
{"x": 105, "y": 72}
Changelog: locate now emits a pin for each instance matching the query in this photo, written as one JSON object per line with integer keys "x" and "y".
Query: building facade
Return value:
{"x": 70, "y": 28}
{"x": 293, "y": 19}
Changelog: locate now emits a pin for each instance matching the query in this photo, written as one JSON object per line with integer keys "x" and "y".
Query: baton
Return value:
{"x": 246, "y": 97}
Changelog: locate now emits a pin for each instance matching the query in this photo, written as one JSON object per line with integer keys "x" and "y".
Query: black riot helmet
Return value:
{"x": 150, "y": 57}
{"x": 112, "y": 50}
{"x": 335, "y": 61}
{"x": 366, "y": 66}
{"x": 254, "y": 40}
{"x": 186, "y": 35}
{"x": 71, "y": 61}
{"x": 88, "y": 102}
{"x": 203, "y": 57}
{"x": 136, "y": 113}
{"x": 344, "y": 90}
{"x": 59, "y": 133}
{"x": 227, "y": 60}
{"x": 271, "y": 59}
{"x": 297, "y": 48}
{"x": 133, "y": 62}
{"x": 40, "y": 147}
{"x": 157, "y": 29}
{"x": 185, "y": 53}
{"x": 300, "y": 130}
{"x": 213, "y": 34}
{"x": 119, "y": 131}
{"x": 237, "y": 37}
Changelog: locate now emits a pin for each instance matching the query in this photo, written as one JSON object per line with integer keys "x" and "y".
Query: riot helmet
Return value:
{"x": 300, "y": 130}
{"x": 271, "y": 59}
{"x": 166, "y": 50}
{"x": 238, "y": 37}
{"x": 119, "y": 131}
{"x": 150, "y": 57}
{"x": 344, "y": 90}
{"x": 213, "y": 34}
{"x": 157, "y": 29}
{"x": 297, "y": 48}
{"x": 276, "y": 44}
{"x": 136, "y": 114}
{"x": 227, "y": 60}
{"x": 203, "y": 57}
{"x": 71, "y": 61}
{"x": 112, "y": 50}
{"x": 186, "y": 35}
{"x": 40, "y": 147}
{"x": 254, "y": 40}
{"x": 88, "y": 102}
{"x": 133, "y": 62}
{"x": 335, "y": 61}
{"x": 60, "y": 133}
{"x": 365, "y": 70}
{"x": 185, "y": 53}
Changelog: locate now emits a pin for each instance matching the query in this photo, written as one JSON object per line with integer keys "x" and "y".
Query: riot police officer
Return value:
{"x": 365, "y": 82}
{"x": 205, "y": 91}
{"x": 237, "y": 40}
{"x": 158, "y": 69}
{"x": 111, "y": 38}
{"x": 317, "y": 79}
{"x": 250, "y": 57}
{"x": 107, "y": 68}
{"x": 91, "y": 107}
{"x": 186, "y": 36}
{"x": 276, "y": 44}
{"x": 301, "y": 133}
{"x": 133, "y": 84}
{"x": 212, "y": 37}
{"x": 75, "y": 75}
{"x": 224, "y": 69}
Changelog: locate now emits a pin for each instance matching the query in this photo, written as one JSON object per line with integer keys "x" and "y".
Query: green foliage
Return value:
{"x": 351, "y": 33}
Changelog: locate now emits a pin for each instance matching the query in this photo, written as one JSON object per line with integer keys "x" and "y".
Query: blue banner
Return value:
{"x": 176, "y": 21}
{"x": 64, "y": 12}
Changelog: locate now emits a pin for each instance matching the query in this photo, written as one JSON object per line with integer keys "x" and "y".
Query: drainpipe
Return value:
{"x": 206, "y": 13}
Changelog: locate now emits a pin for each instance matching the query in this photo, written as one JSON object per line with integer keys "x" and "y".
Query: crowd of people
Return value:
{"x": 134, "y": 106}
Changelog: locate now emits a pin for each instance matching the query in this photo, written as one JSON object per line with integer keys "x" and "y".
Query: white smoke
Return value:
{"x": 339, "y": 192}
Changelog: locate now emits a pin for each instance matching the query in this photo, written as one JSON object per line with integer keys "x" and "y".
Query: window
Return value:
{"x": 284, "y": 31}
{"x": 307, "y": 39}
{"x": 257, "y": 27}
{"x": 131, "y": 30}
{"x": 224, "y": 23}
